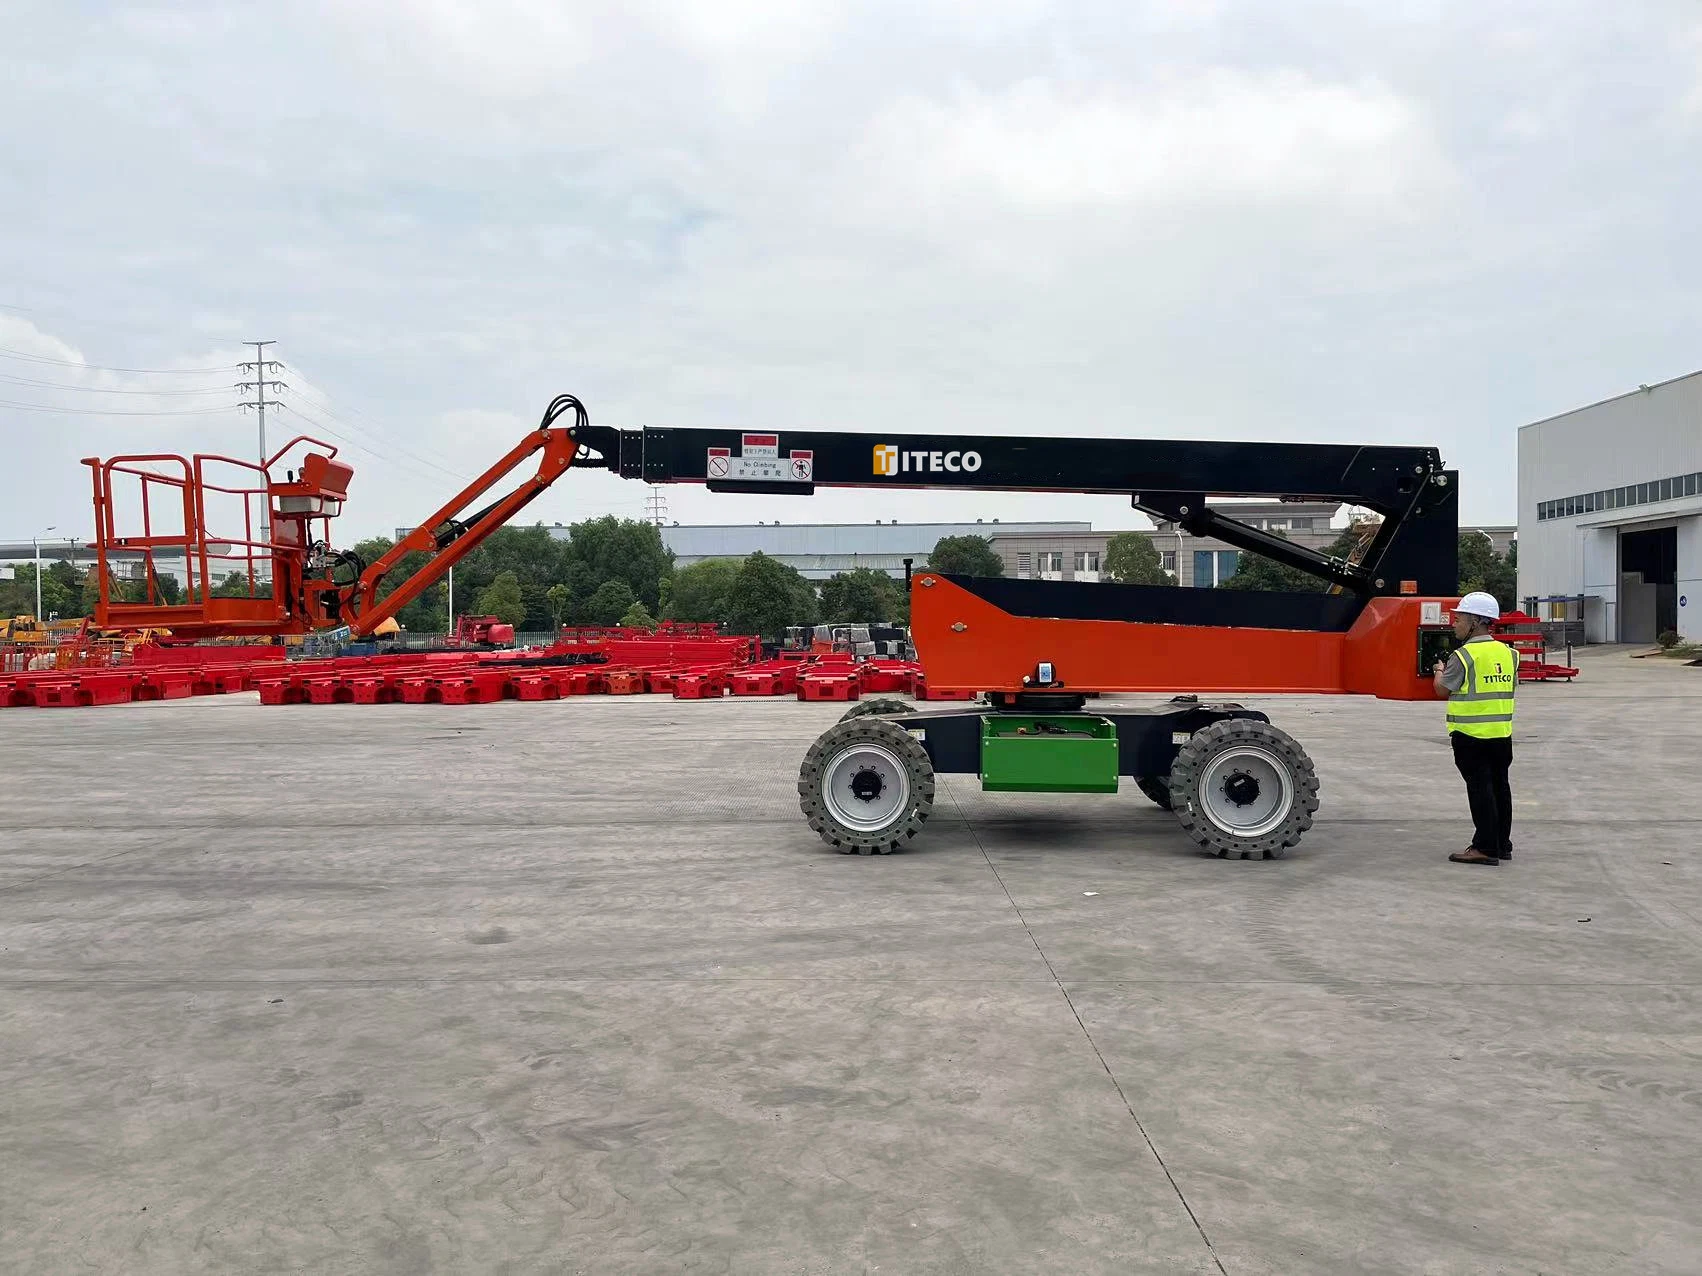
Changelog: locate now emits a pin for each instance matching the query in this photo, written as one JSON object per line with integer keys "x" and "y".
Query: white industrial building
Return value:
{"x": 1610, "y": 513}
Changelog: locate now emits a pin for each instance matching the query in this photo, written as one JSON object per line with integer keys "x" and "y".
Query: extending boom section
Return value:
{"x": 1414, "y": 552}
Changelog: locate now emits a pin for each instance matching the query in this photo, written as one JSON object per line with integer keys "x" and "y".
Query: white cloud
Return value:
{"x": 1693, "y": 44}
{"x": 1210, "y": 218}
{"x": 1223, "y": 135}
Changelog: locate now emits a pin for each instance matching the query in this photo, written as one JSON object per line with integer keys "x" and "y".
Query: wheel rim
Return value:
{"x": 866, "y": 787}
{"x": 1247, "y": 791}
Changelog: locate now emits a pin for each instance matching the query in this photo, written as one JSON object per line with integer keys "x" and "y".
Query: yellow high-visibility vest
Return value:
{"x": 1483, "y": 706}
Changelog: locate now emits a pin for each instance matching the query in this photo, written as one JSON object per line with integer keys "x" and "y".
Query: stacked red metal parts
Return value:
{"x": 687, "y": 663}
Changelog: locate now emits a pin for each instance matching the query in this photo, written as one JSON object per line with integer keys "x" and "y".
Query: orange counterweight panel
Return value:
{"x": 967, "y": 644}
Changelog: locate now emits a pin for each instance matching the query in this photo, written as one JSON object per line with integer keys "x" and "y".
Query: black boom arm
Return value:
{"x": 1415, "y": 550}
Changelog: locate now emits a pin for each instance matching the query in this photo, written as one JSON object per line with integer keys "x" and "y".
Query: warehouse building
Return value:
{"x": 1610, "y": 514}
{"x": 821, "y": 550}
{"x": 1079, "y": 553}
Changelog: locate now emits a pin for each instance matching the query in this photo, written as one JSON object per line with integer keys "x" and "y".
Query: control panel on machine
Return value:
{"x": 1435, "y": 638}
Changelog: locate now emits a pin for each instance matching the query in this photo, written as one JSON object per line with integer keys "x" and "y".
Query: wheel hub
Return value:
{"x": 1247, "y": 791}
{"x": 1241, "y": 789}
{"x": 866, "y": 785}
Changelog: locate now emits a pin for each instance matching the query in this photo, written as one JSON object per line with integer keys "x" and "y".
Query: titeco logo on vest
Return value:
{"x": 890, "y": 460}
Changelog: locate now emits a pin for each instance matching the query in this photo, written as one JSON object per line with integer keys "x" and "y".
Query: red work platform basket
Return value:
{"x": 242, "y": 541}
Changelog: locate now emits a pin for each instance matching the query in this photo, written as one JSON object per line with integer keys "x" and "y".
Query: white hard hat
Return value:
{"x": 1481, "y": 604}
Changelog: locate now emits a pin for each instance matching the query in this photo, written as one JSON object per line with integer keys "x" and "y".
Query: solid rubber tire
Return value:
{"x": 1191, "y": 763}
{"x": 1156, "y": 787}
{"x": 905, "y": 825}
{"x": 877, "y": 709}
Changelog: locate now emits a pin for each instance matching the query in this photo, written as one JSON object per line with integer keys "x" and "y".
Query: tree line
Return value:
{"x": 610, "y": 571}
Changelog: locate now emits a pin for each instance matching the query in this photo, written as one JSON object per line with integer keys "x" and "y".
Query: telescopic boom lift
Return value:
{"x": 1036, "y": 651}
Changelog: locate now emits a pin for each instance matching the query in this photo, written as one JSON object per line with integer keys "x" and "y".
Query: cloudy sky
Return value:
{"x": 1419, "y": 222}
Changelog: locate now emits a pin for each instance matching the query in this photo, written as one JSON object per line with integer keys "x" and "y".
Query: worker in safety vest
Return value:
{"x": 1479, "y": 680}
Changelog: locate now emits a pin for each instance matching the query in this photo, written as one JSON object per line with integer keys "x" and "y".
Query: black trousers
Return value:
{"x": 1484, "y": 765}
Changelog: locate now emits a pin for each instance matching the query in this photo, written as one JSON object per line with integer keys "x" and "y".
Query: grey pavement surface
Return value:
{"x": 571, "y": 987}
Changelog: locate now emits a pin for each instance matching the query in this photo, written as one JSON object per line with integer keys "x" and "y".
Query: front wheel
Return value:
{"x": 1243, "y": 789}
{"x": 866, "y": 786}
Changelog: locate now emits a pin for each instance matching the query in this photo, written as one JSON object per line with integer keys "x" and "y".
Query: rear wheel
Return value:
{"x": 866, "y": 786}
{"x": 1243, "y": 789}
{"x": 877, "y": 709}
{"x": 1156, "y": 787}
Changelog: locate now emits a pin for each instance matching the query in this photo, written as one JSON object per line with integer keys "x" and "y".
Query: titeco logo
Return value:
{"x": 889, "y": 460}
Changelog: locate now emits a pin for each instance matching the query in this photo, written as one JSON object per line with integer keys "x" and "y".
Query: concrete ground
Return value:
{"x": 570, "y": 987}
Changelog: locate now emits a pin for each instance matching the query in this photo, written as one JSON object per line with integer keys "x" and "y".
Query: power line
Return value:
{"x": 25, "y": 357}
{"x": 95, "y": 389}
{"x": 377, "y": 429}
{"x": 404, "y": 452}
{"x": 313, "y": 419}
{"x": 36, "y": 407}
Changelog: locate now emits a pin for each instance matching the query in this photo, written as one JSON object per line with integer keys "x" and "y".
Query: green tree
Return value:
{"x": 613, "y": 599}
{"x": 57, "y": 597}
{"x": 502, "y": 600}
{"x": 1482, "y": 568}
{"x": 1258, "y": 572}
{"x": 234, "y": 585}
{"x": 167, "y": 591}
{"x": 966, "y": 556}
{"x": 537, "y": 603}
{"x": 701, "y": 591}
{"x": 767, "y": 596}
{"x": 1132, "y": 558}
{"x": 559, "y": 599}
{"x": 531, "y": 553}
{"x": 621, "y": 549}
{"x": 1255, "y": 571}
{"x": 637, "y": 617}
{"x": 861, "y": 596}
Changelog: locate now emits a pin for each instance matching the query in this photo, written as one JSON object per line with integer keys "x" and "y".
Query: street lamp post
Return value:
{"x": 35, "y": 542}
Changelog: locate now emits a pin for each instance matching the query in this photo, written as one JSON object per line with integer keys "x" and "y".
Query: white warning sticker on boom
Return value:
{"x": 760, "y": 461}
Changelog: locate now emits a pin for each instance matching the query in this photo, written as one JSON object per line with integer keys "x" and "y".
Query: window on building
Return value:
{"x": 1301, "y": 524}
{"x": 1690, "y": 481}
{"x": 1087, "y": 560}
{"x": 1642, "y": 493}
{"x": 1213, "y": 567}
{"x": 1052, "y": 560}
{"x": 1666, "y": 489}
{"x": 1024, "y": 566}
{"x": 1167, "y": 560}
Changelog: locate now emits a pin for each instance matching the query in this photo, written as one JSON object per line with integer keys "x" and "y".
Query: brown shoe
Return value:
{"x": 1471, "y": 855}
